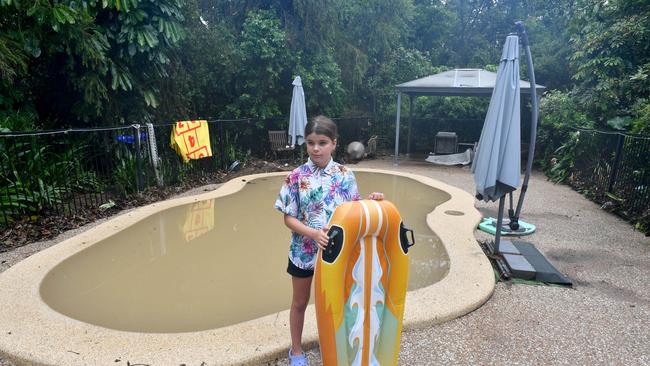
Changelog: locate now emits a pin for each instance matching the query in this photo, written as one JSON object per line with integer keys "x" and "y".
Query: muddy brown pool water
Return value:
{"x": 216, "y": 262}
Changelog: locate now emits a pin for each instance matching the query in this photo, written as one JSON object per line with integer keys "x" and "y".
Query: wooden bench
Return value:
{"x": 279, "y": 142}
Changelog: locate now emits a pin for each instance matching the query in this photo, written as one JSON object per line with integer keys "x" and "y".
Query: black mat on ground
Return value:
{"x": 545, "y": 272}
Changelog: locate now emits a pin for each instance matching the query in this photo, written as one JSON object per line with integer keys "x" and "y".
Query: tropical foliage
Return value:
{"x": 115, "y": 62}
{"x": 72, "y": 62}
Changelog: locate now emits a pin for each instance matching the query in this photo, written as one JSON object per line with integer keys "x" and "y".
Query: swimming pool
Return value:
{"x": 201, "y": 278}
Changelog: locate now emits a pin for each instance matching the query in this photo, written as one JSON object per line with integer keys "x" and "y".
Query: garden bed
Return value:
{"x": 47, "y": 225}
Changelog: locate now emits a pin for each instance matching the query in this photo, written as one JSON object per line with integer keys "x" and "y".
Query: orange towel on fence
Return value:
{"x": 191, "y": 139}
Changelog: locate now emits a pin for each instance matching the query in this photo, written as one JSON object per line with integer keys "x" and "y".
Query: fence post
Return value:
{"x": 617, "y": 161}
{"x": 10, "y": 209}
{"x": 153, "y": 153}
{"x": 138, "y": 159}
{"x": 222, "y": 146}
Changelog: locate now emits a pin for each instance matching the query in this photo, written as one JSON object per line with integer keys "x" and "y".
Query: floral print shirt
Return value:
{"x": 311, "y": 194}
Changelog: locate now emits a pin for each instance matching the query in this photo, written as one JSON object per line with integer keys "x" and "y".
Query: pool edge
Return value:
{"x": 458, "y": 293}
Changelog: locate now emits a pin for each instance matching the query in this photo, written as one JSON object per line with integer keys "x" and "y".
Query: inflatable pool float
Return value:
{"x": 360, "y": 284}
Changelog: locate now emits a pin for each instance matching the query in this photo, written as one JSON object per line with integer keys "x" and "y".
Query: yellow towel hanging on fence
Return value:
{"x": 191, "y": 139}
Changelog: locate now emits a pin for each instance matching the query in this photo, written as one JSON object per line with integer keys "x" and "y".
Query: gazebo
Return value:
{"x": 456, "y": 82}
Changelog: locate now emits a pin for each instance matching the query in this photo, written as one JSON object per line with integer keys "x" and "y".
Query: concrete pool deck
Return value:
{"x": 32, "y": 333}
{"x": 603, "y": 320}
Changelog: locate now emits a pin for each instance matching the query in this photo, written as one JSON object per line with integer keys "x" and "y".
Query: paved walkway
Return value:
{"x": 603, "y": 320}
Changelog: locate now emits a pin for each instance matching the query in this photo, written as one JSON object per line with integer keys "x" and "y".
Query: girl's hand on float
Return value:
{"x": 321, "y": 238}
{"x": 377, "y": 196}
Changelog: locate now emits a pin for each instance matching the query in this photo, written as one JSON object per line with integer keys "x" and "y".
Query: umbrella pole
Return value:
{"x": 408, "y": 139}
{"x": 511, "y": 210}
{"x": 533, "y": 127}
{"x": 497, "y": 236}
{"x": 399, "y": 107}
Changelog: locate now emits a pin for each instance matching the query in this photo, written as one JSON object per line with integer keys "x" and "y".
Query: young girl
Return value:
{"x": 308, "y": 197}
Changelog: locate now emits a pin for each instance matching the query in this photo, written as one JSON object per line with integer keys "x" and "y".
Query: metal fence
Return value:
{"x": 614, "y": 167}
{"x": 65, "y": 172}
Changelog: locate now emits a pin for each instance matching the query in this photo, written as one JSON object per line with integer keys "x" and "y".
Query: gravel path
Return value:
{"x": 603, "y": 319}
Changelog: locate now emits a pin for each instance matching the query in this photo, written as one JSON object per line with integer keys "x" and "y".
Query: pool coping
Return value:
{"x": 35, "y": 334}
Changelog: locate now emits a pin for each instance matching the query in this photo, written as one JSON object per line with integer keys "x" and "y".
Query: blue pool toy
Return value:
{"x": 129, "y": 138}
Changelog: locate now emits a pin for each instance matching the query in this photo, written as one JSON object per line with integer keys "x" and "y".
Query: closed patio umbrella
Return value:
{"x": 496, "y": 165}
{"x": 297, "y": 115}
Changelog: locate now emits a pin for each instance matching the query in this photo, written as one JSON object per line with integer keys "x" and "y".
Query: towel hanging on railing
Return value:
{"x": 191, "y": 139}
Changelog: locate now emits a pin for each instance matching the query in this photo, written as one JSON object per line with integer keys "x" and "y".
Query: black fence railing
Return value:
{"x": 62, "y": 171}
{"x": 65, "y": 172}
{"x": 614, "y": 168}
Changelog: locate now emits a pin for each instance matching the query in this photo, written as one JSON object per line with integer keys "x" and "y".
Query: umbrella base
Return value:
{"x": 489, "y": 225}
{"x": 527, "y": 263}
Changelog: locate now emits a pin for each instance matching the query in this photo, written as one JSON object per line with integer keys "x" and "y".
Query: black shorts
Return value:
{"x": 293, "y": 270}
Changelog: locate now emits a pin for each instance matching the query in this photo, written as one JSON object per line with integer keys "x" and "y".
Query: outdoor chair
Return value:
{"x": 279, "y": 143}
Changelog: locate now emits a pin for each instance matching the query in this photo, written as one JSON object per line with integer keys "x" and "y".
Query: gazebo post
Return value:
{"x": 399, "y": 107}
{"x": 408, "y": 138}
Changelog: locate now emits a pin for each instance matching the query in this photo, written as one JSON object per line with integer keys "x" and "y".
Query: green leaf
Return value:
{"x": 614, "y": 197}
{"x": 150, "y": 38}
{"x": 620, "y": 123}
{"x": 31, "y": 11}
{"x": 141, "y": 39}
{"x": 125, "y": 82}
{"x": 132, "y": 49}
{"x": 56, "y": 12}
{"x": 150, "y": 98}
{"x": 107, "y": 205}
{"x": 114, "y": 76}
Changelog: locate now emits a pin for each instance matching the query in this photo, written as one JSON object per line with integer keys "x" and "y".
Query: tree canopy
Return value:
{"x": 112, "y": 62}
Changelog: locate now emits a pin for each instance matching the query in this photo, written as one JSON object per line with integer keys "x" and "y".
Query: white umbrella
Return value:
{"x": 298, "y": 114}
{"x": 496, "y": 165}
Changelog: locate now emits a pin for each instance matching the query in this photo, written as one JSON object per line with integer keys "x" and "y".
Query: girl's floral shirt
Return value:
{"x": 311, "y": 194}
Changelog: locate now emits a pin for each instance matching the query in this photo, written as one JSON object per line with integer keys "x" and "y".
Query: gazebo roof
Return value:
{"x": 460, "y": 82}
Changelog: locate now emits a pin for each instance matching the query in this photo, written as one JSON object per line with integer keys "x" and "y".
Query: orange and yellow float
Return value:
{"x": 360, "y": 284}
